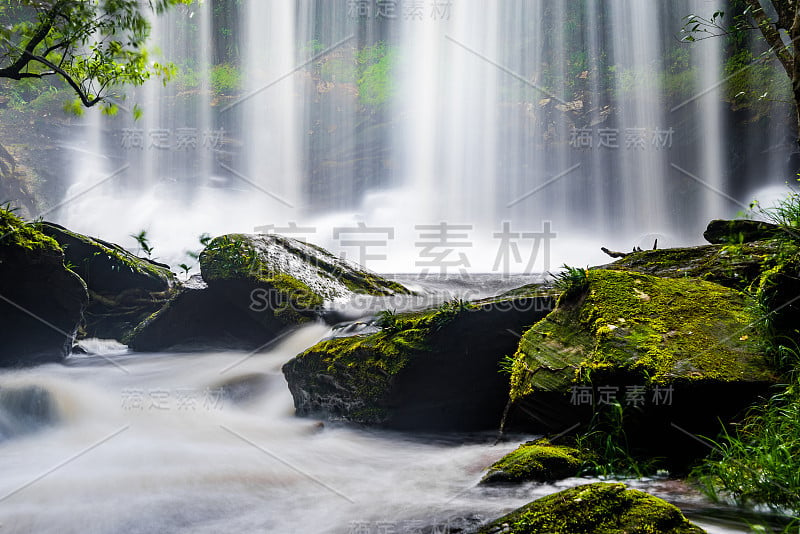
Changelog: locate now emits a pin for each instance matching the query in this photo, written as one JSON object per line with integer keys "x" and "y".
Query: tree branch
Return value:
{"x": 773, "y": 36}
{"x": 13, "y": 71}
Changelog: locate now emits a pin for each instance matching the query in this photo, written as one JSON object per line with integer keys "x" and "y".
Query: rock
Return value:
{"x": 201, "y": 318}
{"x": 432, "y": 370}
{"x": 599, "y": 508}
{"x": 41, "y": 301}
{"x": 252, "y": 289}
{"x": 626, "y": 331}
{"x": 300, "y": 272}
{"x": 537, "y": 461}
{"x": 724, "y": 232}
{"x": 770, "y": 268}
{"x": 736, "y": 267}
{"x": 123, "y": 289}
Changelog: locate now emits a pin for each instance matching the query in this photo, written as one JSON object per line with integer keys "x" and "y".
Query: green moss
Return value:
{"x": 230, "y": 257}
{"x": 538, "y": 460}
{"x": 599, "y": 508}
{"x": 366, "y": 365}
{"x": 655, "y": 330}
{"x": 14, "y": 232}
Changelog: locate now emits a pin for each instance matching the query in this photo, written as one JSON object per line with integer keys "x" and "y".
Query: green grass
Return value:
{"x": 759, "y": 462}
{"x": 570, "y": 281}
{"x": 609, "y": 454}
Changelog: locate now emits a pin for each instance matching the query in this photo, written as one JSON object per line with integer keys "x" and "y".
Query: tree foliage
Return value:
{"x": 93, "y": 45}
{"x": 778, "y": 21}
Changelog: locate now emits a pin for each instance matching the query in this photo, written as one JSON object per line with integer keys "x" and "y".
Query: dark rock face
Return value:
{"x": 433, "y": 370}
{"x": 724, "y": 232}
{"x": 123, "y": 289}
{"x": 41, "y": 301}
{"x": 252, "y": 289}
{"x": 201, "y": 318}
{"x": 600, "y": 508}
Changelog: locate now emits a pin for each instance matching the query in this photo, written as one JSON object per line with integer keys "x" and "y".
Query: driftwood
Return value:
{"x": 617, "y": 254}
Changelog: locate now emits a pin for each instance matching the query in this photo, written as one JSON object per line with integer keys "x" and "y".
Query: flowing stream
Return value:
{"x": 207, "y": 442}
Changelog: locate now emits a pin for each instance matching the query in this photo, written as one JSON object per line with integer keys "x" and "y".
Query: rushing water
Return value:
{"x": 129, "y": 452}
{"x": 207, "y": 442}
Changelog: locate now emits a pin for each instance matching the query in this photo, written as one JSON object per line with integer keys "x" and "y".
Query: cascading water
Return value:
{"x": 519, "y": 118}
{"x": 363, "y": 127}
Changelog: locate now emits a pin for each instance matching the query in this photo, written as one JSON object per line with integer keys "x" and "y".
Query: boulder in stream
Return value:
{"x": 41, "y": 300}
{"x": 123, "y": 289}
{"x": 599, "y": 508}
{"x": 252, "y": 289}
{"x": 437, "y": 369}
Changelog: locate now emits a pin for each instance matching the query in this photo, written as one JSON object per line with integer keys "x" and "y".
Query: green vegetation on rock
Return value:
{"x": 654, "y": 330}
{"x": 367, "y": 365}
{"x": 599, "y": 508}
{"x": 14, "y": 232}
{"x": 538, "y": 461}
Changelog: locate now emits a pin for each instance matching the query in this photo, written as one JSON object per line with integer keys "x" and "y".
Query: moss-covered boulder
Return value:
{"x": 673, "y": 351}
{"x": 253, "y": 288}
{"x": 600, "y": 508}
{"x": 302, "y": 272}
{"x": 767, "y": 268}
{"x": 735, "y": 266}
{"x": 41, "y": 300}
{"x": 721, "y": 231}
{"x": 538, "y": 461}
{"x": 123, "y": 289}
{"x": 437, "y": 369}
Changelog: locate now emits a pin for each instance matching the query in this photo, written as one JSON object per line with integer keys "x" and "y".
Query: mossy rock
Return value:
{"x": 627, "y": 331}
{"x": 253, "y": 289}
{"x": 306, "y": 274}
{"x": 653, "y": 330}
{"x": 43, "y": 300}
{"x": 437, "y": 369}
{"x": 123, "y": 288}
{"x": 599, "y": 508}
{"x": 537, "y": 461}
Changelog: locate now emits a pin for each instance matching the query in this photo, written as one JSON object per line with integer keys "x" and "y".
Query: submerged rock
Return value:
{"x": 123, "y": 289}
{"x": 600, "y": 508}
{"x": 676, "y": 351}
{"x": 252, "y": 289}
{"x": 41, "y": 300}
{"x": 25, "y": 409}
{"x": 537, "y": 461}
{"x": 437, "y": 369}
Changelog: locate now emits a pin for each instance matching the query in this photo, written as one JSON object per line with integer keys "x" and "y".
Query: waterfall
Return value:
{"x": 371, "y": 127}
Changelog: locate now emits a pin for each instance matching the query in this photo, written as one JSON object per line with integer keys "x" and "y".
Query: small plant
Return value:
{"x": 786, "y": 212}
{"x": 144, "y": 242}
{"x": 204, "y": 239}
{"x": 185, "y": 268}
{"x": 571, "y": 281}
{"x": 608, "y": 443}
{"x": 387, "y": 320}
{"x": 506, "y": 365}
